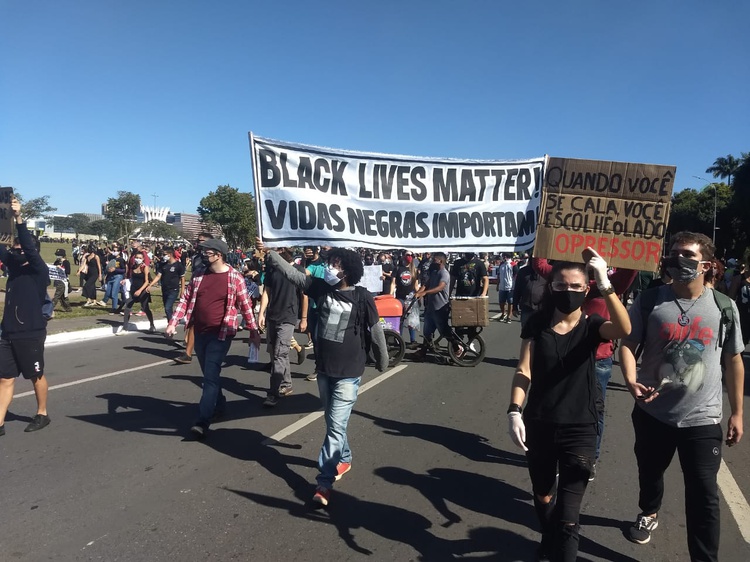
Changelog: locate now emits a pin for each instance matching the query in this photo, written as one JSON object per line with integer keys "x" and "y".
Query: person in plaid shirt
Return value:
{"x": 210, "y": 305}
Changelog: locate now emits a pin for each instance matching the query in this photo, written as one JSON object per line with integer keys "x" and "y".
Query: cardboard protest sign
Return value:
{"x": 313, "y": 195}
{"x": 7, "y": 222}
{"x": 619, "y": 209}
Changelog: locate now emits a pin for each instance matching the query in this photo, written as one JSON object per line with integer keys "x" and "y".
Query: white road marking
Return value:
{"x": 735, "y": 499}
{"x": 98, "y": 377}
{"x": 309, "y": 418}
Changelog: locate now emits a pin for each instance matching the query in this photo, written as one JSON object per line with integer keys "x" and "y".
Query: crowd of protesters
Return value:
{"x": 571, "y": 315}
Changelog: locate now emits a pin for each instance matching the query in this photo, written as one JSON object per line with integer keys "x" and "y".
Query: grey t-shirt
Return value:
{"x": 686, "y": 360}
{"x": 438, "y": 300}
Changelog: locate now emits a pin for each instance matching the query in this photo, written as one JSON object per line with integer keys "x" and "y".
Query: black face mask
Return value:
{"x": 434, "y": 267}
{"x": 681, "y": 269}
{"x": 568, "y": 301}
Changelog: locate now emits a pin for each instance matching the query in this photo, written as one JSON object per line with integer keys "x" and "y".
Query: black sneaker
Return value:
{"x": 199, "y": 431}
{"x": 592, "y": 476}
{"x": 184, "y": 359}
{"x": 40, "y": 421}
{"x": 270, "y": 401}
{"x": 2, "y": 430}
{"x": 641, "y": 530}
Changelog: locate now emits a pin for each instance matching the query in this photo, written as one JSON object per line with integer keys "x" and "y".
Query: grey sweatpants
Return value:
{"x": 279, "y": 336}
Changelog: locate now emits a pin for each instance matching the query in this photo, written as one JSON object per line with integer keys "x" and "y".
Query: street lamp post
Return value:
{"x": 713, "y": 238}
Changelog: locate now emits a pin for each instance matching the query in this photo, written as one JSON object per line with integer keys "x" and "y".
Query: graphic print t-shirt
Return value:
{"x": 685, "y": 359}
{"x": 171, "y": 274}
{"x": 338, "y": 347}
{"x": 404, "y": 281}
{"x": 469, "y": 276}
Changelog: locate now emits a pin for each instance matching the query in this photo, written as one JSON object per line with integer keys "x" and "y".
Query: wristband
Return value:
{"x": 606, "y": 290}
{"x": 514, "y": 408}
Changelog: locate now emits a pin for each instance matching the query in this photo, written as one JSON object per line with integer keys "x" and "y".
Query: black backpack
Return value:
{"x": 533, "y": 296}
{"x": 360, "y": 294}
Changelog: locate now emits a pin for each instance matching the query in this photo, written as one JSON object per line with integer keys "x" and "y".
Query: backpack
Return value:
{"x": 360, "y": 295}
{"x": 723, "y": 302}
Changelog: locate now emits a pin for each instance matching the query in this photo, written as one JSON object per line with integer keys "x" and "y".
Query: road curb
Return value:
{"x": 97, "y": 333}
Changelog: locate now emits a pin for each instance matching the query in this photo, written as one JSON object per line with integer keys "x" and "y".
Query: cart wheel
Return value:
{"x": 468, "y": 350}
{"x": 394, "y": 343}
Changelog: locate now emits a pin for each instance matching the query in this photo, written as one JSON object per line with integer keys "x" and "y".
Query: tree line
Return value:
{"x": 233, "y": 212}
{"x": 693, "y": 209}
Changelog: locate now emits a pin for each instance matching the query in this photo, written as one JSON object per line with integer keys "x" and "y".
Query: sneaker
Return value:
{"x": 286, "y": 391}
{"x": 502, "y": 318}
{"x": 270, "y": 401}
{"x": 121, "y": 331}
{"x": 184, "y": 359}
{"x": 151, "y": 330}
{"x": 199, "y": 431}
{"x": 322, "y": 495}
{"x": 2, "y": 430}
{"x": 89, "y": 304}
{"x": 101, "y": 303}
{"x": 40, "y": 421}
{"x": 592, "y": 476}
{"x": 641, "y": 530}
{"x": 309, "y": 345}
{"x": 140, "y": 313}
{"x": 312, "y": 376}
{"x": 342, "y": 468}
{"x": 507, "y": 320}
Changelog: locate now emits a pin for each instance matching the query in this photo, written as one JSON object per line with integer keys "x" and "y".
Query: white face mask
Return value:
{"x": 138, "y": 261}
{"x": 331, "y": 276}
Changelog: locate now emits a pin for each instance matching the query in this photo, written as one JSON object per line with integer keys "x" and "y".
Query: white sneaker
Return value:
{"x": 121, "y": 331}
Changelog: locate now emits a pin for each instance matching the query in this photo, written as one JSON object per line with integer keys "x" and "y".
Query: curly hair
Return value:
{"x": 350, "y": 262}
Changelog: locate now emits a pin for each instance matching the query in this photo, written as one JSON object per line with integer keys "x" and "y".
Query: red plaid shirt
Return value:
{"x": 236, "y": 293}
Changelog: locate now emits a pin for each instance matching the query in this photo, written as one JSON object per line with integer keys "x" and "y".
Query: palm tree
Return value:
{"x": 725, "y": 167}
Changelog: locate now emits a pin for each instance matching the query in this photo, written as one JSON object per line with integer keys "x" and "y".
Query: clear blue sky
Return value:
{"x": 155, "y": 96}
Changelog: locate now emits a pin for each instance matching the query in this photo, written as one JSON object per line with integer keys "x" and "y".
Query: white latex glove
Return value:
{"x": 517, "y": 429}
{"x": 599, "y": 266}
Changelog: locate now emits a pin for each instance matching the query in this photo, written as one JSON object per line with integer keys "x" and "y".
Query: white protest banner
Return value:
{"x": 307, "y": 195}
{"x": 7, "y": 222}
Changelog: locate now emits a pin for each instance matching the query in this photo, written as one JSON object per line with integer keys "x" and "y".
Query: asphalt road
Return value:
{"x": 435, "y": 476}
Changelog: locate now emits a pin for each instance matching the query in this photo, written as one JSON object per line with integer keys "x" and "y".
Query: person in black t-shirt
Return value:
{"x": 280, "y": 306}
{"x": 347, "y": 316}
{"x": 469, "y": 277}
{"x": 405, "y": 285}
{"x": 559, "y": 424}
{"x": 171, "y": 273}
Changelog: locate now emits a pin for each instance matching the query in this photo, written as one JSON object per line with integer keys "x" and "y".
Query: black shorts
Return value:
{"x": 22, "y": 357}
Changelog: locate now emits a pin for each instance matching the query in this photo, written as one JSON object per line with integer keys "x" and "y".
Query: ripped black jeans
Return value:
{"x": 571, "y": 450}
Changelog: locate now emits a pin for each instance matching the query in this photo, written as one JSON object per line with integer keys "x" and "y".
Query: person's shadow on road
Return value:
{"x": 470, "y": 445}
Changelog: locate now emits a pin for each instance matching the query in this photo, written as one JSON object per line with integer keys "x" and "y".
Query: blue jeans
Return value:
{"x": 436, "y": 319}
{"x": 112, "y": 290}
{"x": 169, "y": 296}
{"x": 211, "y": 352}
{"x": 412, "y": 331}
{"x": 603, "y": 368}
{"x": 338, "y": 396}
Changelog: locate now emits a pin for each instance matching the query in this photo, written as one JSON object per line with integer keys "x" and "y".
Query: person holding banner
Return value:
{"x": 348, "y": 319}
{"x": 559, "y": 425}
{"x": 24, "y": 327}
